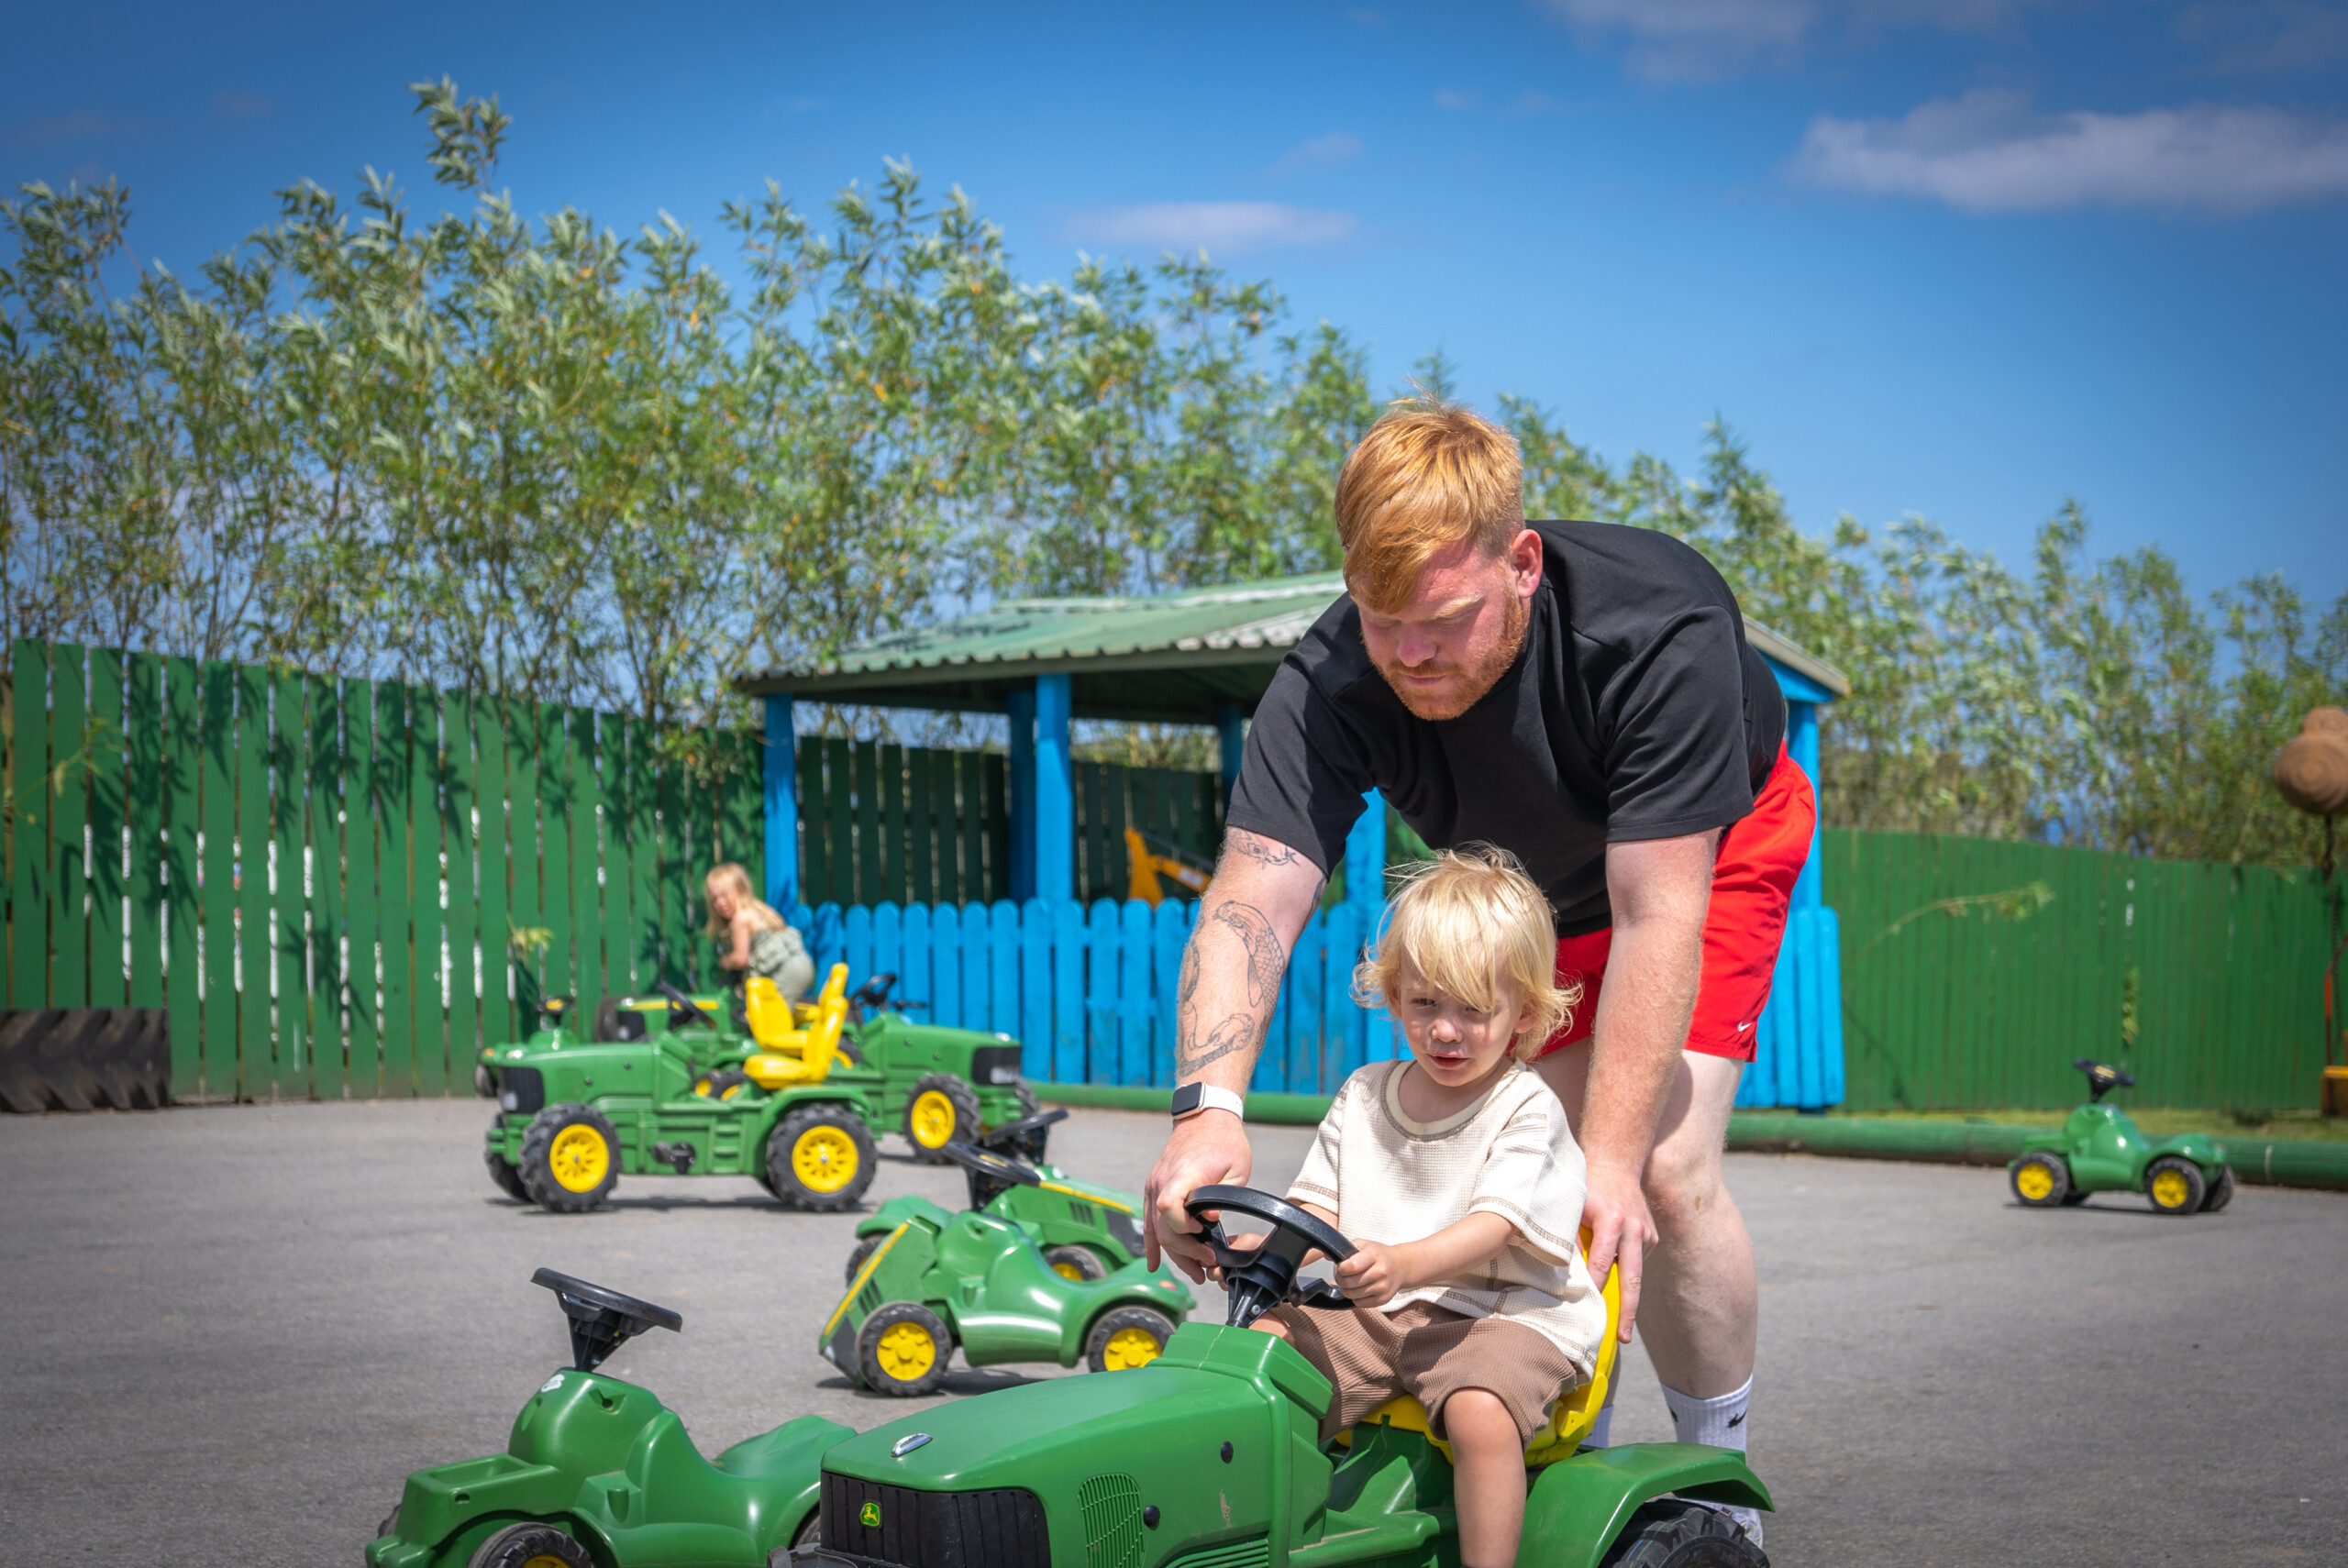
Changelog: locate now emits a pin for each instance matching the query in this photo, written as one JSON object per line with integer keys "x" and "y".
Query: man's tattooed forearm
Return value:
{"x": 1259, "y": 849}
{"x": 1233, "y": 1034}
{"x": 1265, "y": 959}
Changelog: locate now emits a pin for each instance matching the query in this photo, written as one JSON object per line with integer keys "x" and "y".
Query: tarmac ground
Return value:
{"x": 235, "y": 1329}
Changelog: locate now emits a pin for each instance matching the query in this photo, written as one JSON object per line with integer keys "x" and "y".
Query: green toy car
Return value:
{"x": 599, "y": 1473}
{"x": 933, "y": 1083}
{"x": 2101, "y": 1149}
{"x": 1205, "y": 1458}
{"x": 983, "y": 1281}
{"x": 1085, "y": 1232}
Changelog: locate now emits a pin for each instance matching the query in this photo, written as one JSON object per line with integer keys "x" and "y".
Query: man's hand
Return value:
{"x": 1372, "y": 1276}
{"x": 1205, "y": 1149}
{"x": 1621, "y": 1231}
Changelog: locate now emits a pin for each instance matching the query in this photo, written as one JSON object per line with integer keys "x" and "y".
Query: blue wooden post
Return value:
{"x": 1170, "y": 928}
{"x": 1101, "y": 993}
{"x": 778, "y": 756}
{"x": 1365, "y": 858}
{"x": 913, "y": 953}
{"x": 1002, "y": 953}
{"x": 1022, "y": 709}
{"x": 978, "y": 969}
{"x": 1036, "y": 1057}
{"x": 888, "y": 940}
{"x": 857, "y": 950}
{"x": 1801, "y": 745}
{"x": 1231, "y": 735}
{"x": 1068, "y": 990}
{"x": 1055, "y": 792}
{"x": 946, "y": 965}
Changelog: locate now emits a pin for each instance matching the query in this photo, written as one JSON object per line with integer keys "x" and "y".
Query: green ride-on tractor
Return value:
{"x": 1208, "y": 1457}
{"x": 983, "y": 1281}
{"x": 929, "y": 1082}
{"x": 1086, "y": 1231}
{"x": 2101, "y": 1149}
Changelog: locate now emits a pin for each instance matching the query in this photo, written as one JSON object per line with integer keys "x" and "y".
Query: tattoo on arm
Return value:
{"x": 1261, "y": 850}
{"x": 1265, "y": 959}
{"x": 1234, "y": 1034}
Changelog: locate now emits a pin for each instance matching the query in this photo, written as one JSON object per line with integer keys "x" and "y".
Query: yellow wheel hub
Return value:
{"x": 933, "y": 1120}
{"x": 906, "y": 1351}
{"x": 2034, "y": 1182}
{"x": 546, "y": 1563}
{"x": 1130, "y": 1348}
{"x": 824, "y": 1159}
{"x": 1069, "y": 1271}
{"x": 578, "y": 1158}
{"x": 2170, "y": 1189}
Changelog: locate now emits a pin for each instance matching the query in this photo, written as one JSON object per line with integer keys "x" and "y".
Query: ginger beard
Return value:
{"x": 1473, "y": 682}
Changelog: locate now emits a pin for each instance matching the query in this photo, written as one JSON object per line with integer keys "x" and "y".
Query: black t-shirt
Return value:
{"x": 1635, "y": 711}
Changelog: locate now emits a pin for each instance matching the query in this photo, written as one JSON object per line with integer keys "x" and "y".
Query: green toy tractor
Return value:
{"x": 933, "y": 1083}
{"x": 1208, "y": 1457}
{"x": 2101, "y": 1149}
{"x": 1085, "y": 1232}
{"x": 980, "y": 1282}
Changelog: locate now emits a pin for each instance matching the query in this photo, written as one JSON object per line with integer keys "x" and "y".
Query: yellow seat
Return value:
{"x": 787, "y": 1058}
{"x": 1570, "y": 1418}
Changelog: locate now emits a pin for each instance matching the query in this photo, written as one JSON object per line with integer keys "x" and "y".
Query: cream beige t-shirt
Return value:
{"x": 1388, "y": 1178}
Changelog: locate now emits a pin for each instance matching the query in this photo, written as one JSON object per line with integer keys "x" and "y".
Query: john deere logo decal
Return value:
{"x": 870, "y": 1517}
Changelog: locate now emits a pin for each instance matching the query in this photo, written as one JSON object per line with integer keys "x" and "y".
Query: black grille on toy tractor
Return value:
{"x": 903, "y": 1528}
{"x": 521, "y": 1089}
{"x": 995, "y": 1066}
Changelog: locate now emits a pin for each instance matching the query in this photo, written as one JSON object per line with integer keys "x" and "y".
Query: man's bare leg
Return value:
{"x": 1701, "y": 1300}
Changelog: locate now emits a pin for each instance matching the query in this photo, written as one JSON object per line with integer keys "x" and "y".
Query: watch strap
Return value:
{"x": 1191, "y": 1098}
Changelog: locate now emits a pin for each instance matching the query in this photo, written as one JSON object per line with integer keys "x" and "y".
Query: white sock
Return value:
{"x": 1718, "y": 1422}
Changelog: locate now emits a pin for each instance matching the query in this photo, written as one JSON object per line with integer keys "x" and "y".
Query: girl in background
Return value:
{"x": 756, "y": 940}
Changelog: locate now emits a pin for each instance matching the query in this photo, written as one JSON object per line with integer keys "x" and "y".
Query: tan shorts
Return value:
{"x": 1429, "y": 1352}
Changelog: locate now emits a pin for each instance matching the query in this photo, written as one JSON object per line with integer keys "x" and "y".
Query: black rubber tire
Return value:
{"x": 783, "y": 1181}
{"x": 864, "y": 1249}
{"x": 508, "y": 1179}
{"x": 1084, "y": 1260}
{"x": 517, "y": 1544}
{"x": 1030, "y": 1146}
{"x": 1096, "y": 1339}
{"x": 2195, "y": 1188}
{"x": 391, "y": 1522}
{"x": 723, "y": 1084}
{"x": 2058, "y": 1177}
{"x": 484, "y": 1084}
{"x": 538, "y": 1175}
{"x": 1674, "y": 1532}
{"x": 85, "y": 1057}
{"x": 2221, "y": 1191}
{"x": 965, "y": 1100}
{"x": 2074, "y": 1197}
{"x": 878, "y": 1378}
{"x": 810, "y": 1531}
{"x": 607, "y": 1021}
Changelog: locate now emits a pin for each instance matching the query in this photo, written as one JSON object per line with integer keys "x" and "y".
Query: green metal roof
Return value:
{"x": 1170, "y": 658}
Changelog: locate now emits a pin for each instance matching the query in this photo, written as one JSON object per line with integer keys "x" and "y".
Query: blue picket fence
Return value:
{"x": 1088, "y": 991}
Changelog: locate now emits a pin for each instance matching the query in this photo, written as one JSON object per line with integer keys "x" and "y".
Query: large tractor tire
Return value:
{"x": 820, "y": 1158}
{"x": 1674, "y": 1532}
{"x": 941, "y": 1109}
{"x": 86, "y": 1057}
{"x": 571, "y": 1158}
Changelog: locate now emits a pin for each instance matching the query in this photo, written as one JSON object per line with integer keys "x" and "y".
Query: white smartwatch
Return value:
{"x": 1191, "y": 1098}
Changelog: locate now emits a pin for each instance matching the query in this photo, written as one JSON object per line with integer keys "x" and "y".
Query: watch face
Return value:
{"x": 1187, "y": 1097}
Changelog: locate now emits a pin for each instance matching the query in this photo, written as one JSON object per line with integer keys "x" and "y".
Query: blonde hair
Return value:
{"x": 1426, "y": 476}
{"x": 1472, "y": 922}
{"x": 729, "y": 874}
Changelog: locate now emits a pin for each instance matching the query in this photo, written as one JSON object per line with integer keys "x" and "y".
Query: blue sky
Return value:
{"x": 1963, "y": 259}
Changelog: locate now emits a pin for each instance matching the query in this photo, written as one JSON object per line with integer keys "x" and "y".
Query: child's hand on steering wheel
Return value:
{"x": 1372, "y": 1276}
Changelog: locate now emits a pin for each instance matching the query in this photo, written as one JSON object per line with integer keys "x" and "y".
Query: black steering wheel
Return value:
{"x": 2102, "y": 1079}
{"x": 1025, "y": 1136}
{"x": 602, "y": 1319}
{"x": 681, "y": 1004}
{"x": 1260, "y": 1280}
{"x": 990, "y": 1172}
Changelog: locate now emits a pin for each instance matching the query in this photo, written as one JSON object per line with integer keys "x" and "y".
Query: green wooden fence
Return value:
{"x": 914, "y": 825}
{"x": 332, "y": 886}
{"x": 1964, "y": 1009}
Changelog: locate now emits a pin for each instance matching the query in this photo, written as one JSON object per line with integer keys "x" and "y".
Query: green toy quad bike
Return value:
{"x": 1206, "y": 1458}
{"x": 1085, "y": 1232}
{"x": 574, "y": 1115}
{"x": 2101, "y": 1149}
{"x": 931, "y": 1083}
{"x": 980, "y": 1281}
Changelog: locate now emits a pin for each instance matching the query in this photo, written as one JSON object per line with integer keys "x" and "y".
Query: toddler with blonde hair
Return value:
{"x": 1457, "y": 1180}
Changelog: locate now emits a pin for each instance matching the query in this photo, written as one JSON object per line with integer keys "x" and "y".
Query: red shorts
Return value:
{"x": 1753, "y": 884}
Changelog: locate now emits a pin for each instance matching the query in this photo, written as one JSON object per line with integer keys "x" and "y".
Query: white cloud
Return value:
{"x": 1225, "y": 226}
{"x": 1321, "y": 152}
{"x": 1452, "y": 98}
{"x": 1986, "y": 151}
{"x": 1690, "y": 39}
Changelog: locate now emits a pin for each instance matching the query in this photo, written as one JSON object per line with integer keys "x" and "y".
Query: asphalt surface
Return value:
{"x": 233, "y": 1330}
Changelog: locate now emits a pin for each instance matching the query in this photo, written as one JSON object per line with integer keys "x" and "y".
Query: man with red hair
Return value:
{"x": 1582, "y": 695}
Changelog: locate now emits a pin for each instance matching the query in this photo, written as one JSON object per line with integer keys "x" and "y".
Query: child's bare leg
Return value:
{"x": 1272, "y": 1324}
{"x": 1487, "y": 1477}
